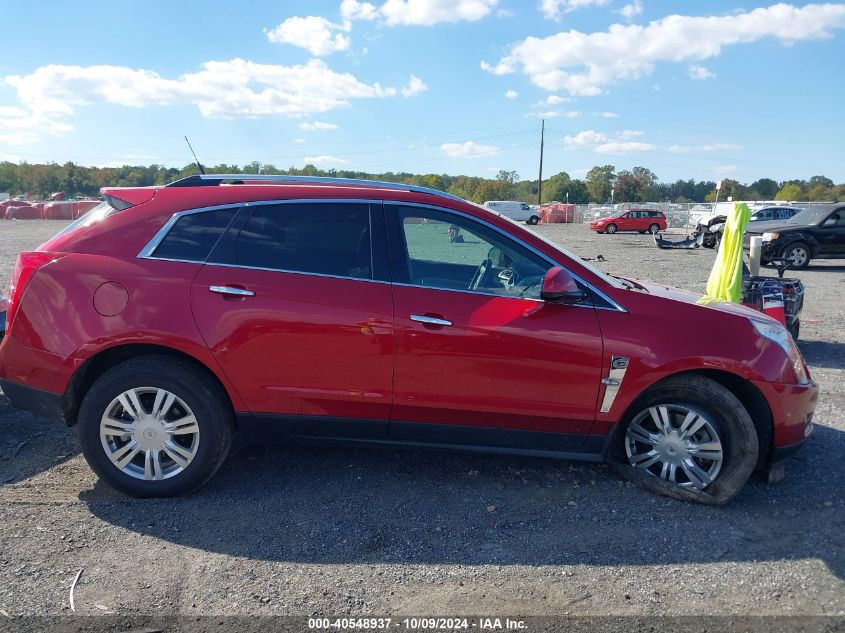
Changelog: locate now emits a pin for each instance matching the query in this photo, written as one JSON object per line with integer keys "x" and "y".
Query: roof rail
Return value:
{"x": 213, "y": 180}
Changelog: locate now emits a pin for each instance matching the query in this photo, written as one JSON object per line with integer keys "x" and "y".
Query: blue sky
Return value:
{"x": 689, "y": 89}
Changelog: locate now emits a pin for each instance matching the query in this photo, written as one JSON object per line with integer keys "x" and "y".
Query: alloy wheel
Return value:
{"x": 675, "y": 443}
{"x": 611, "y": 228}
{"x": 149, "y": 433}
{"x": 798, "y": 255}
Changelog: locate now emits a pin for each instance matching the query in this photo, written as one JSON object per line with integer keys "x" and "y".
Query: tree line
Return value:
{"x": 638, "y": 184}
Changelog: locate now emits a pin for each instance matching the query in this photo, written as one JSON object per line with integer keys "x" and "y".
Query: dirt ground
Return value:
{"x": 332, "y": 532}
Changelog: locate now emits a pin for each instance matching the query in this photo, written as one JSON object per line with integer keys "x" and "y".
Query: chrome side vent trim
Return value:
{"x": 618, "y": 367}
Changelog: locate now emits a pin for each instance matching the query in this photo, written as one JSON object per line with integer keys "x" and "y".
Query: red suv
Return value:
{"x": 642, "y": 220}
{"x": 327, "y": 310}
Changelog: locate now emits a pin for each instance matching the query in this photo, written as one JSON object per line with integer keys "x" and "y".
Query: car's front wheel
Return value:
{"x": 611, "y": 228}
{"x": 533, "y": 220}
{"x": 155, "y": 427}
{"x": 688, "y": 437}
{"x": 797, "y": 253}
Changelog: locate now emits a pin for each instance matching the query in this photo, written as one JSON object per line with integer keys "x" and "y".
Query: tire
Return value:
{"x": 610, "y": 228}
{"x": 726, "y": 422}
{"x": 799, "y": 253}
{"x": 532, "y": 220}
{"x": 173, "y": 455}
{"x": 654, "y": 228}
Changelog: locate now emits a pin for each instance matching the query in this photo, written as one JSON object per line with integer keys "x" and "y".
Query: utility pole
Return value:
{"x": 540, "y": 180}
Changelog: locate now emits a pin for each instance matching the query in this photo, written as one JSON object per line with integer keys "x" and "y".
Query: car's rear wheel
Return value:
{"x": 155, "y": 427}
{"x": 797, "y": 253}
{"x": 533, "y": 220}
{"x": 610, "y": 228}
{"x": 688, "y": 437}
{"x": 654, "y": 228}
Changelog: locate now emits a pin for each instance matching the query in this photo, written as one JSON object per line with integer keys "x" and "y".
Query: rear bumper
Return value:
{"x": 41, "y": 403}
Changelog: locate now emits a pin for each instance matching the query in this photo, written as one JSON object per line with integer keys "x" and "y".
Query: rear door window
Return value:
{"x": 326, "y": 239}
{"x": 194, "y": 235}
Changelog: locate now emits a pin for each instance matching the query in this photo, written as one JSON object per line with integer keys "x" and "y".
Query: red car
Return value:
{"x": 326, "y": 310}
{"x": 641, "y": 220}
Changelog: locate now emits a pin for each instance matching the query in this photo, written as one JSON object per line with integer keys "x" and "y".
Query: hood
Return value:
{"x": 694, "y": 298}
{"x": 766, "y": 226}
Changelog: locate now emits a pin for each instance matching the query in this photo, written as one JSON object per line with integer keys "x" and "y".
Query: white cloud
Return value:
{"x": 571, "y": 114}
{"x": 554, "y": 9}
{"x": 511, "y": 94}
{"x": 630, "y": 11}
{"x": 622, "y": 147}
{"x": 607, "y": 115}
{"x": 317, "y": 125}
{"x": 603, "y": 143}
{"x": 299, "y": 141}
{"x": 700, "y": 73}
{"x": 354, "y": 10}
{"x": 504, "y": 13}
{"x": 324, "y": 160}
{"x": 468, "y": 149}
{"x": 22, "y": 127}
{"x": 429, "y": 12}
{"x": 550, "y": 114}
{"x": 314, "y": 34}
{"x": 220, "y": 89}
{"x": 415, "y": 86}
{"x": 715, "y": 147}
{"x": 585, "y": 138}
{"x": 556, "y": 100}
{"x": 584, "y": 63}
{"x": 725, "y": 169}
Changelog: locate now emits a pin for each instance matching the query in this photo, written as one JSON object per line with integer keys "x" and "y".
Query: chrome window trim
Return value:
{"x": 294, "y": 272}
{"x": 149, "y": 248}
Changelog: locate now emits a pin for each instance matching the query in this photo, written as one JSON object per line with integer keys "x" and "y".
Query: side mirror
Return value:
{"x": 560, "y": 287}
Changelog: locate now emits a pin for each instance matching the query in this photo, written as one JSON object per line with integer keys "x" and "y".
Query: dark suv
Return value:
{"x": 815, "y": 233}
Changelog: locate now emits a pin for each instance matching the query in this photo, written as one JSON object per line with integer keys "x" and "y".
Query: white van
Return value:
{"x": 514, "y": 210}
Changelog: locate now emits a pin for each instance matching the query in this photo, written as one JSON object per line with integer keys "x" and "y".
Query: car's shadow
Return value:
{"x": 386, "y": 506}
{"x": 23, "y": 438}
{"x": 823, "y": 354}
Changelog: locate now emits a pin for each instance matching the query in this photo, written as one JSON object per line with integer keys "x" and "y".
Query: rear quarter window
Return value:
{"x": 194, "y": 235}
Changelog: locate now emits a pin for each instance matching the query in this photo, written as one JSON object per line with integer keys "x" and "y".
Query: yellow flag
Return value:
{"x": 725, "y": 283}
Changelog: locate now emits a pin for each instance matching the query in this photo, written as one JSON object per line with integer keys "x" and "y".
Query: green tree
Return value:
{"x": 598, "y": 181}
{"x": 789, "y": 191}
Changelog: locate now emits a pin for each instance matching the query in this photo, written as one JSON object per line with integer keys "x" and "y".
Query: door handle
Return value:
{"x": 232, "y": 292}
{"x": 429, "y": 320}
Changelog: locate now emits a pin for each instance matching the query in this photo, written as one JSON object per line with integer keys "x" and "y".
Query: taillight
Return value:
{"x": 26, "y": 265}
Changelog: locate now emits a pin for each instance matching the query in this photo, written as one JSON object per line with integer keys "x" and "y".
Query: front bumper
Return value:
{"x": 792, "y": 409}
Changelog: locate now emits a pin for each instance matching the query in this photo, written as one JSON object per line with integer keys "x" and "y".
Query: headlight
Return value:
{"x": 770, "y": 237}
{"x": 778, "y": 334}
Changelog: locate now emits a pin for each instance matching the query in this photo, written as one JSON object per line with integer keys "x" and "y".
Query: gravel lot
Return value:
{"x": 324, "y": 531}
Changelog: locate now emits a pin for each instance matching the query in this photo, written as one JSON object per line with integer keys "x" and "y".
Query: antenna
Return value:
{"x": 202, "y": 171}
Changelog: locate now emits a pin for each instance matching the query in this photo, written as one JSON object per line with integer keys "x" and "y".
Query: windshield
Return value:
{"x": 618, "y": 213}
{"x": 603, "y": 276}
{"x": 810, "y": 216}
